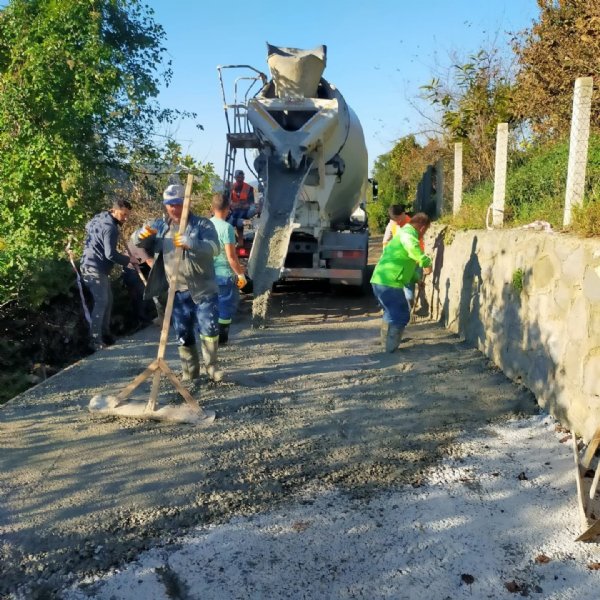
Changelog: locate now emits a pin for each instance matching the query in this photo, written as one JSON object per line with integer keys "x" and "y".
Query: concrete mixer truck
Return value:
{"x": 307, "y": 150}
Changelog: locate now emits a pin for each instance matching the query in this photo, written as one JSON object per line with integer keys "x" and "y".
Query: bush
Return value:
{"x": 536, "y": 188}
{"x": 586, "y": 219}
{"x": 473, "y": 209}
{"x": 378, "y": 216}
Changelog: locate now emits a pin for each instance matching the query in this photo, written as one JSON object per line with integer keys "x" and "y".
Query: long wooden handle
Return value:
{"x": 164, "y": 335}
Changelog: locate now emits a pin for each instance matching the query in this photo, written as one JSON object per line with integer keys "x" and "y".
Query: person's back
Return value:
{"x": 99, "y": 249}
{"x": 228, "y": 270}
{"x": 226, "y": 235}
{"x": 401, "y": 257}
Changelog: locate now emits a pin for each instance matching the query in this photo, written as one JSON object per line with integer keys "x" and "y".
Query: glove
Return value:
{"x": 241, "y": 282}
{"x": 147, "y": 232}
{"x": 181, "y": 240}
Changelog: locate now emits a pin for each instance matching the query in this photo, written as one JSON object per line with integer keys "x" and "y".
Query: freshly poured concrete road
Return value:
{"x": 309, "y": 400}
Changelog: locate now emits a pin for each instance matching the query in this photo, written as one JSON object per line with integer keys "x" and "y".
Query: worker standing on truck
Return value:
{"x": 241, "y": 200}
{"x": 394, "y": 271}
{"x": 195, "y": 307}
{"x": 228, "y": 270}
{"x": 97, "y": 260}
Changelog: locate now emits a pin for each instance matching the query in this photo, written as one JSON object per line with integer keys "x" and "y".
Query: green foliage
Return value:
{"x": 449, "y": 233}
{"x": 586, "y": 218}
{"x": 378, "y": 216}
{"x": 517, "y": 280}
{"x": 171, "y": 167}
{"x": 78, "y": 83}
{"x": 474, "y": 207}
{"x": 387, "y": 170}
{"x": 399, "y": 173}
{"x": 562, "y": 45}
{"x": 476, "y": 98}
{"x": 535, "y": 190}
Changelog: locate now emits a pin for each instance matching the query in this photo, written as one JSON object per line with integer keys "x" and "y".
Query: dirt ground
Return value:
{"x": 310, "y": 399}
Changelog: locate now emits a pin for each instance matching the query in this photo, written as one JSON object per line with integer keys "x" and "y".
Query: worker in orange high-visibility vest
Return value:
{"x": 398, "y": 218}
{"x": 241, "y": 202}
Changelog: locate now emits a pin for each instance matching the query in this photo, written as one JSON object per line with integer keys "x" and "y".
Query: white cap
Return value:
{"x": 174, "y": 194}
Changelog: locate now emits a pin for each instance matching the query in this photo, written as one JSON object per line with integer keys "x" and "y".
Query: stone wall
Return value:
{"x": 531, "y": 302}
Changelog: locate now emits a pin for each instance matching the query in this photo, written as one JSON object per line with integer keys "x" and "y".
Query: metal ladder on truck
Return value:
{"x": 240, "y": 135}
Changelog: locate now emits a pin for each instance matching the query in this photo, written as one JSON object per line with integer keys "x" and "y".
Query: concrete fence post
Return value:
{"x": 439, "y": 188}
{"x": 458, "y": 178}
{"x": 578, "y": 145}
{"x": 500, "y": 175}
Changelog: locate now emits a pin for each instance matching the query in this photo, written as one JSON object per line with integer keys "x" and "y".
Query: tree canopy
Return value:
{"x": 561, "y": 46}
{"x": 78, "y": 87}
{"x": 471, "y": 104}
{"x": 532, "y": 91}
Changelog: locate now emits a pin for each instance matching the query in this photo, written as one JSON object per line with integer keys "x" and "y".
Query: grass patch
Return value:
{"x": 586, "y": 219}
{"x": 535, "y": 190}
{"x": 517, "y": 281}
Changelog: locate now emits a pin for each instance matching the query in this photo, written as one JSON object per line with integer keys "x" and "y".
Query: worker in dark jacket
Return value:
{"x": 99, "y": 256}
{"x": 195, "y": 307}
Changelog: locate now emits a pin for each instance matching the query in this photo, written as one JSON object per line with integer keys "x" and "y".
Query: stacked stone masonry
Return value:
{"x": 531, "y": 302}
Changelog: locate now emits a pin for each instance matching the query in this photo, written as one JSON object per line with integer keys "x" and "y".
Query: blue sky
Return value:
{"x": 378, "y": 54}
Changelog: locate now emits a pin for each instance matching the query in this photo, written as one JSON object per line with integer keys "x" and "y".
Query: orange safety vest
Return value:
{"x": 395, "y": 226}
{"x": 241, "y": 196}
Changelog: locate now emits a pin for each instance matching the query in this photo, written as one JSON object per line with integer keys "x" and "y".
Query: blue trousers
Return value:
{"x": 99, "y": 286}
{"x": 229, "y": 298}
{"x": 236, "y": 217}
{"x": 394, "y": 304}
{"x": 409, "y": 290}
{"x": 191, "y": 317}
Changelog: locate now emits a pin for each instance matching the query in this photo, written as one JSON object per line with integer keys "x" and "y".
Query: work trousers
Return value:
{"x": 237, "y": 215}
{"x": 191, "y": 317}
{"x": 394, "y": 304}
{"x": 229, "y": 298}
{"x": 99, "y": 286}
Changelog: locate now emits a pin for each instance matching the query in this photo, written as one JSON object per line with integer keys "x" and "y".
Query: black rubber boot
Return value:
{"x": 223, "y": 334}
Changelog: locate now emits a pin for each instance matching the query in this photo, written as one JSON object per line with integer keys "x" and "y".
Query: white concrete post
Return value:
{"x": 439, "y": 188}
{"x": 458, "y": 178}
{"x": 500, "y": 175}
{"x": 578, "y": 144}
